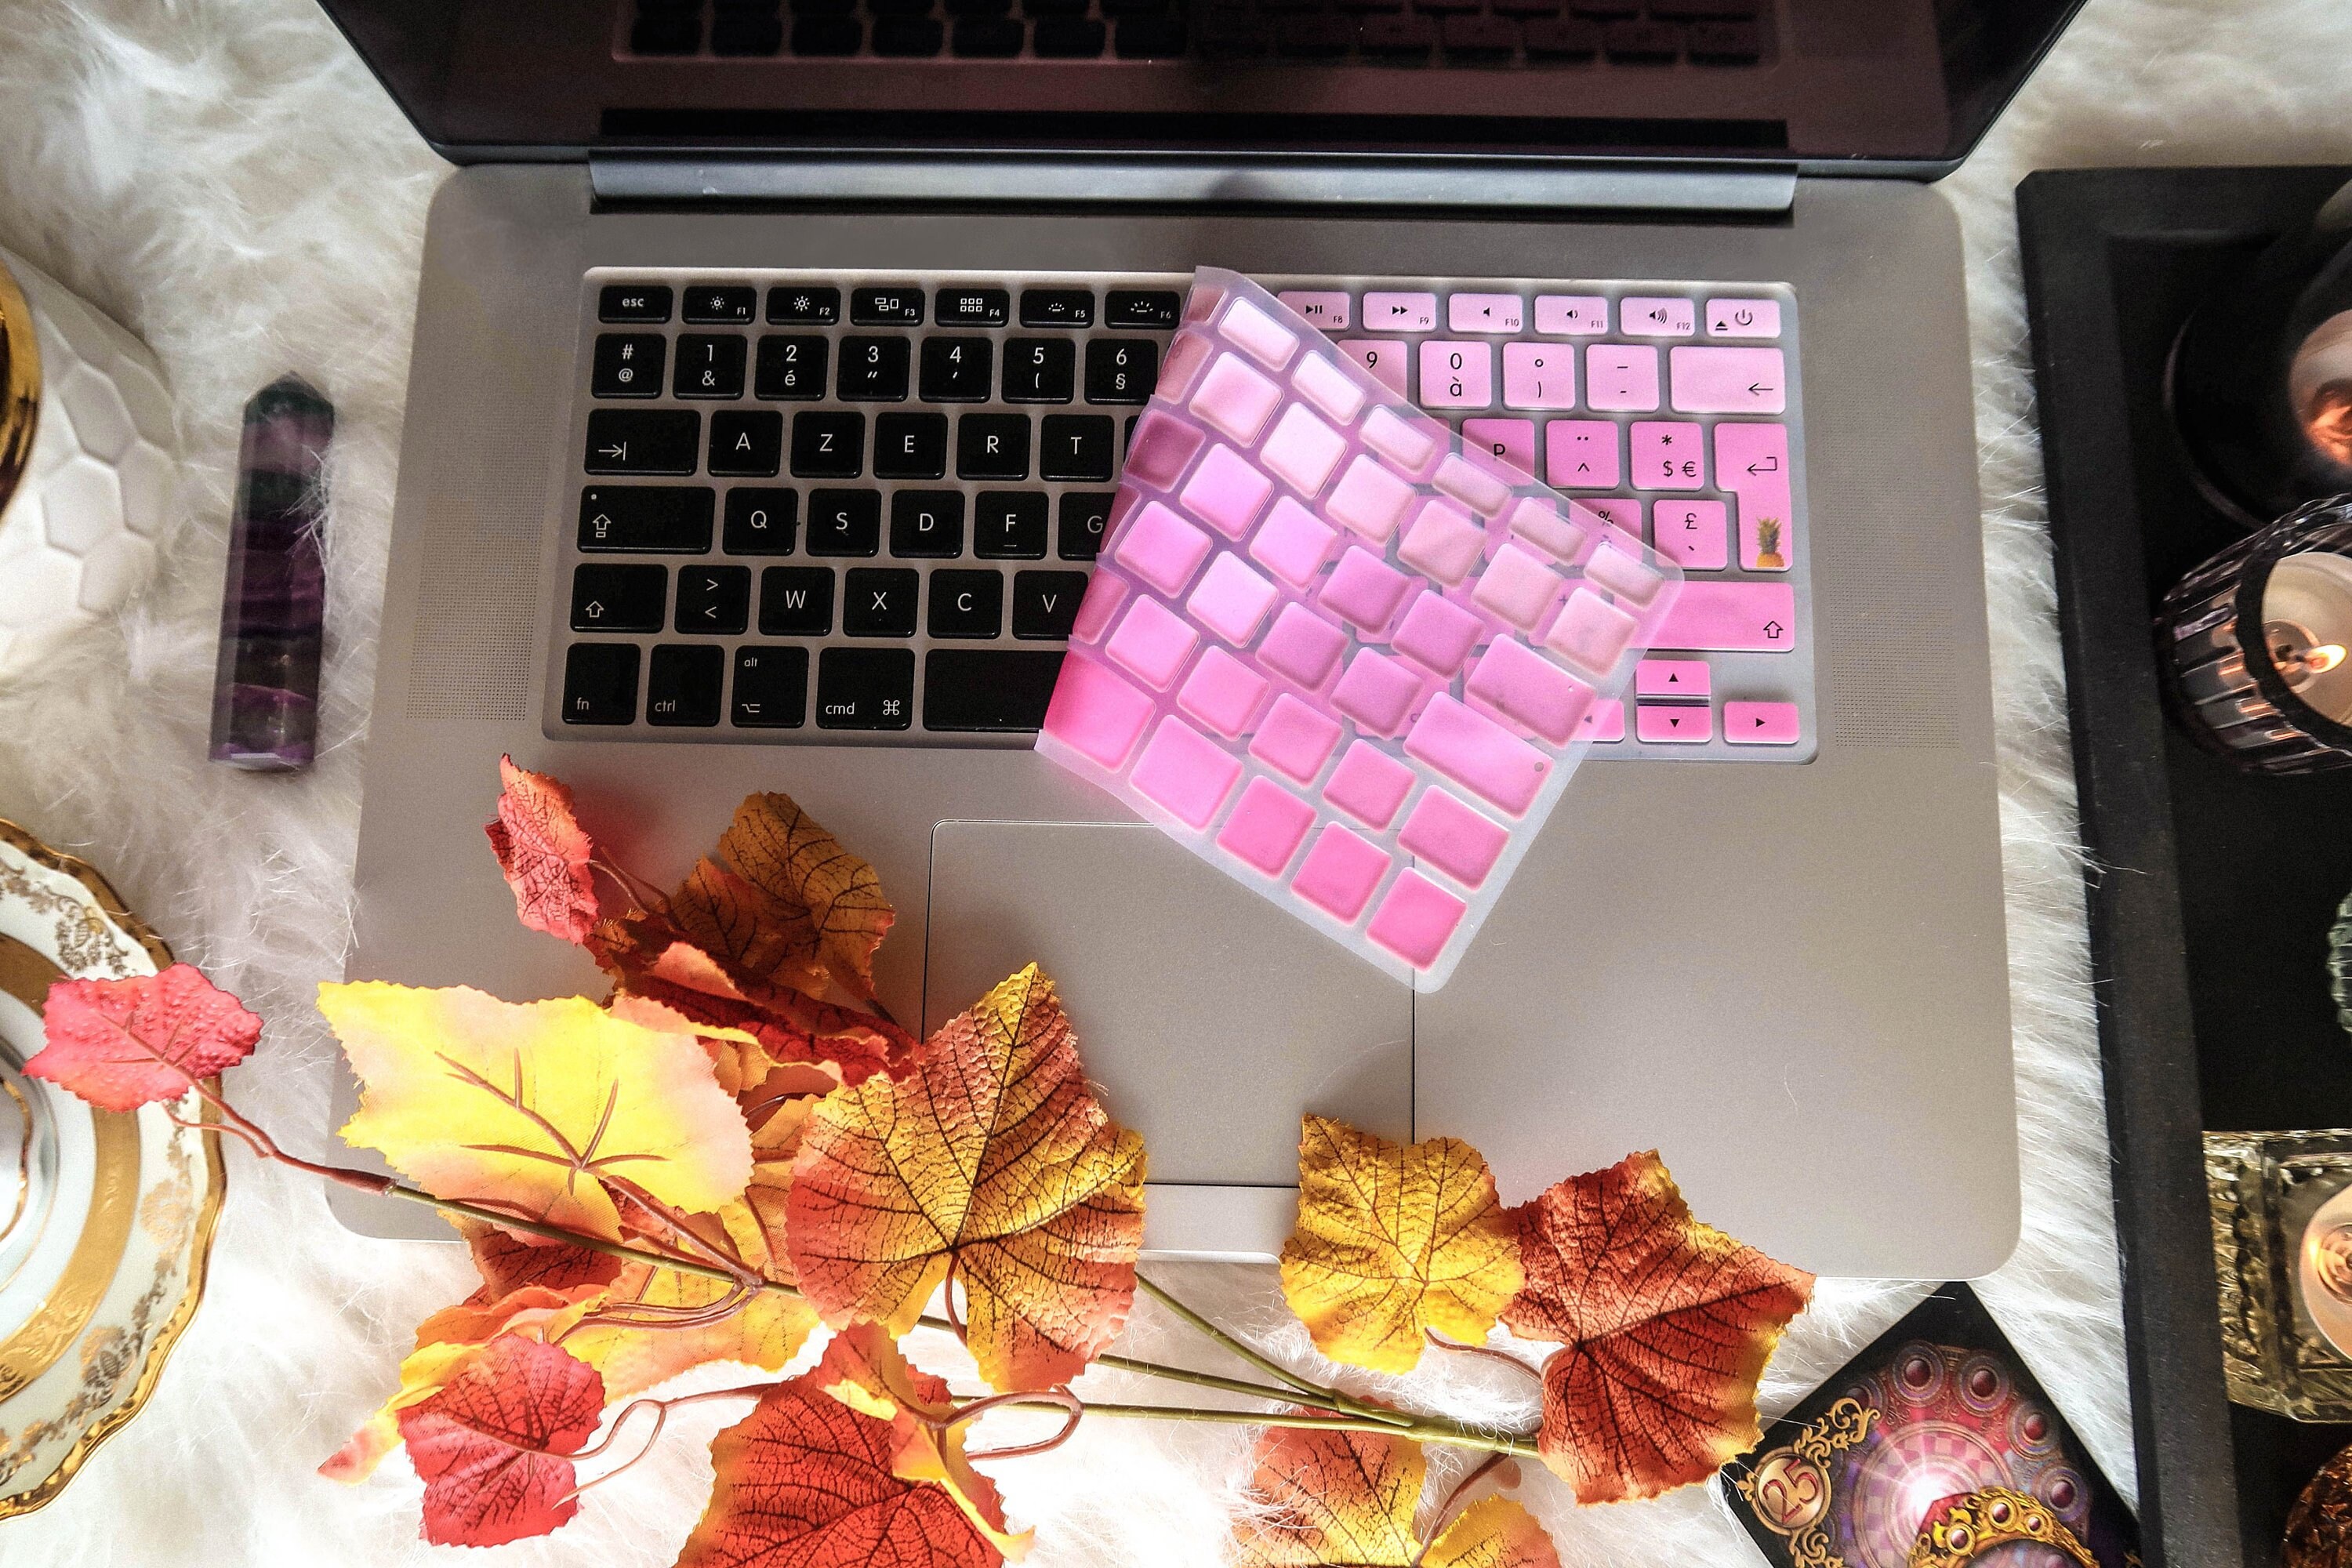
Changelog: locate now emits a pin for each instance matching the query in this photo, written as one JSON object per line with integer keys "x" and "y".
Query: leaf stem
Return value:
{"x": 1247, "y": 1353}
{"x": 1422, "y": 1428}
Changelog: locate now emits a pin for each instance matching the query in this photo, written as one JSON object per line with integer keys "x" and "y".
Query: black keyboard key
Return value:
{"x": 911, "y": 446}
{"x": 716, "y": 600}
{"x": 1009, "y": 525}
{"x": 1068, "y": 39}
{"x": 828, "y": 446}
{"x": 879, "y": 601}
{"x": 666, "y": 30}
{"x": 824, "y": 7}
{"x": 1045, "y": 603}
{"x": 1706, "y": 10}
{"x": 873, "y": 370}
{"x": 762, "y": 522}
{"x": 1485, "y": 39}
{"x": 1229, "y": 34}
{"x": 1150, "y": 38}
{"x": 927, "y": 524}
{"x": 1315, "y": 37}
{"x": 971, "y": 308}
{"x": 748, "y": 443}
{"x": 1643, "y": 43}
{"x": 865, "y": 688}
{"x": 988, "y": 689}
{"x": 981, "y": 9}
{"x": 1726, "y": 43}
{"x": 796, "y": 305}
{"x": 713, "y": 305}
{"x": 1606, "y": 10}
{"x": 599, "y": 683}
{"x": 710, "y": 366}
{"x": 791, "y": 367}
{"x": 771, "y": 688}
{"x": 796, "y": 601}
{"x": 844, "y": 522}
{"x": 628, "y": 364}
{"x": 1525, "y": 7}
{"x": 633, "y": 302}
{"x": 989, "y": 40}
{"x": 736, "y": 32}
{"x": 619, "y": 598}
{"x": 1121, "y": 370}
{"x": 1041, "y": 370}
{"x": 644, "y": 440}
{"x": 908, "y": 37}
{"x": 1147, "y": 308}
{"x": 967, "y": 603}
{"x": 682, "y": 682}
{"x": 992, "y": 446}
{"x": 958, "y": 370}
{"x": 1083, "y": 515}
{"x": 1398, "y": 37}
{"x": 1550, "y": 39}
{"x": 1057, "y": 307}
{"x": 654, "y": 519}
{"x": 886, "y": 306}
{"x": 1445, "y": 8}
{"x": 899, "y": 8}
{"x": 1076, "y": 447}
{"x": 827, "y": 35}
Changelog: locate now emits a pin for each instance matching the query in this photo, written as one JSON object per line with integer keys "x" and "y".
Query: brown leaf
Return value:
{"x": 1347, "y": 1499}
{"x": 780, "y": 849}
{"x": 747, "y": 926}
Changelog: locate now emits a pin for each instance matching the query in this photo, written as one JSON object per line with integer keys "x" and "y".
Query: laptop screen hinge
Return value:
{"x": 1127, "y": 179}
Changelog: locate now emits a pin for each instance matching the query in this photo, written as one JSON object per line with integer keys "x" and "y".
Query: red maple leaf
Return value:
{"x": 123, "y": 1044}
{"x": 544, "y": 852}
{"x": 493, "y": 1445}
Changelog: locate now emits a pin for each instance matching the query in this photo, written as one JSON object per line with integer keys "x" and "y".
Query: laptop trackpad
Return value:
{"x": 1208, "y": 1017}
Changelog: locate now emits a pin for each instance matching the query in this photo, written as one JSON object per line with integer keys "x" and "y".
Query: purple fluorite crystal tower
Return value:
{"x": 266, "y": 692}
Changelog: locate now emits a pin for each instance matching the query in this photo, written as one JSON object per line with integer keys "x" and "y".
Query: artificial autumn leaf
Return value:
{"x": 1347, "y": 1499}
{"x": 544, "y": 853}
{"x": 489, "y": 1445}
{"x": 806, "y": 1482}
{"x": 747, "y": 926}
{"x": 779, "y": 849}
{"x": 991, "y": 1153}
{"x": 123, "y": 1044}
{"x": 526, "y": 1106}
{"x": 1394, "y": 1239}
{"x": 1664, "y": 1325}
{"x": 508, "y": 1262}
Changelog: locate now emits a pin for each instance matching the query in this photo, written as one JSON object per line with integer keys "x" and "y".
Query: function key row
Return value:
{"x": 1554, "y": 315}
{"x": 690, "y": 685}
{"x": 795, "y": 366}
{"x": 735, "y": 305}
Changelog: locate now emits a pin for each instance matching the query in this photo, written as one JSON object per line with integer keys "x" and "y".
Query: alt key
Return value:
{"x": 771, "y": 688}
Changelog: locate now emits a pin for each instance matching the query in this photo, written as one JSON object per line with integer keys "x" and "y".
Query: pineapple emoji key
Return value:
{"x": 1767, "y": 545}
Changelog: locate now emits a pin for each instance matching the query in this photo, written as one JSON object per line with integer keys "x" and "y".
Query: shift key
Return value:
{"x": 1730, "y": 617}
{"x": 644, "y": 440}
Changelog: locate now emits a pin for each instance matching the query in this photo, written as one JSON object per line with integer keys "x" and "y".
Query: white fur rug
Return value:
{"x": 226, "y": 178}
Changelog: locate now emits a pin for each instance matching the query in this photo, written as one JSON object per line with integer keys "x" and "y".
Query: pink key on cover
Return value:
{"x": 1511, "y": 443}
{"x": 1182, "y": 365}
{"x": 1325, "y": 310}
{"x": 1341, "y": 872}
{"x": 1377, "y": 693}
{"x": 1264, "y": 339}
{"x": 1186, "y": 772}
{"x": 1567, "y": 315}
{"x": 1760, "y": 723}
{"x": 1485, "y": 313}
{"x": 1303, "y": 449}
{"x": 1455, "y": 374}
{"x": 1223, "y": 692}
{"x": 1268, "y": 825}
{"x": 1743, "y": 318}
{"x": 1226, "y": 491}
{"x": 1161, "y": 446}
{"x": 1592, "y": 634}
{"x": 1292, "y": 544}
{"x": 1478, "y": 754}
{"x": 1641, "y": 316}
{"x": 1668, "y": 456}
{"x": 1443, "y": 541}
{"x": 1152, "y": 642}
{"x": 1329, "y": 388}
{"x": 1096, "y": 712}
{"x": 1438, "y": 633}
{"x": 1416, "y": 920}
{"x": 1730, "y": 617}
{"x": 1727, "y": 381}
{"x": 1407, "y": 443}
{"x": 1621, "y": 378}
{"x": 1691, "y": 533}
{"x": 1538, "y": 376}
{"x": 1672, "y": 678}
{"x": 1603, "y": 723}
{"x": 1463, "y": 843}
{"x": 1235, "y": 398}
{"x": 1369, "y": 500}
{"x": 1368, "y": 785}
{"x": 1678, "y": 724}
{"x": 1364, "y": 589}
{"x": 1518, "y": 586}
{"x": 1384, "y": 357}
{"x": 1530, "y": 690}
{"x": 1467, "y": 482}
{"x": 1581, "y": 454}
{"x": 1232, "y": 600}
{"x": 1295, "y": 739}
{"x": 1302, "y": 646}
{"x": 1162, "y": 548}
{"x": 1752, "y": 461}
{"x": 1541, "y": 525}
{"x": 1399, "y": 312}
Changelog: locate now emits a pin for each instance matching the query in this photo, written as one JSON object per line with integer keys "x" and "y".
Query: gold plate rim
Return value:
{"x": 20, "y": 386}
{"x": 207, "y": 1213}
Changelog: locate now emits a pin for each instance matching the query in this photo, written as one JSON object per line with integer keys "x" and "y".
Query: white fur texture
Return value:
{"x": 226, "y": 178}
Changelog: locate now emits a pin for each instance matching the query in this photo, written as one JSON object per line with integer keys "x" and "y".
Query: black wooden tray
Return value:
{"x": 2210, "y": 892}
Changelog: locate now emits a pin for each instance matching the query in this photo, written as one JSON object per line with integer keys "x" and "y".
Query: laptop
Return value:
{"x": 773, "y": 371}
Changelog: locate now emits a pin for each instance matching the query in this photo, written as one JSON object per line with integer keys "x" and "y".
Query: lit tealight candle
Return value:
{"x": 2306, "y": 624}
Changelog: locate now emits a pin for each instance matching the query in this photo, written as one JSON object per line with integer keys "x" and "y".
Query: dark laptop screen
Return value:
{"x": 1816, "y": 82}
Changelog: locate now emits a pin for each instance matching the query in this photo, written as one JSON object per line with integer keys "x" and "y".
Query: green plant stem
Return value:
{"x": 1311, "y": 1393}
{"x": 1422, "y": 1428}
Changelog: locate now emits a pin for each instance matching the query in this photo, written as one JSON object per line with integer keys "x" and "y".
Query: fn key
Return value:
{"x": 865, "y": 689}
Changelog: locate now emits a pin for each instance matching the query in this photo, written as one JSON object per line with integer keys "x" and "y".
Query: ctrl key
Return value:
{"x": 771, "y": 688}
{"x": 599, "y": 683}
{"x": 865, "y": 689}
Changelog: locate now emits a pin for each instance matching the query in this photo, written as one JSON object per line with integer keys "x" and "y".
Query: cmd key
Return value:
{"x": 644, "y": 440}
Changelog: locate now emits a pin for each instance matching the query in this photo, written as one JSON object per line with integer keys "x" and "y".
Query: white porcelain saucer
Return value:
{"x": 106, "y": 1219}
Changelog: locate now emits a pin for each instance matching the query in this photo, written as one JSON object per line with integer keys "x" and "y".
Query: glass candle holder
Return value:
{"x": 2258, "y": 645}
{"x": 2282, "y": 1207}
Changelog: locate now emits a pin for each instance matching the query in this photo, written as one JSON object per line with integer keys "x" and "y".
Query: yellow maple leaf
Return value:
{"x": 988, "y": 1153}
{"x": 1347, "y": 1499}
{"x": 1393, "y": 1238}
{"x": 527, "y": 1107}
{"x": 750, "y": 927}
{"x": 781, "y": 850}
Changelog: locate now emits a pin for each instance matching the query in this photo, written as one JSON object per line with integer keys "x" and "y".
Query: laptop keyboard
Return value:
{"x": 1536, "y": 32}
{"x": 838, "y": 507}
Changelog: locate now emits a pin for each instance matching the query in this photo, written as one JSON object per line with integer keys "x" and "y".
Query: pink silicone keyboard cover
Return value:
{"x": 1333, "y": 652}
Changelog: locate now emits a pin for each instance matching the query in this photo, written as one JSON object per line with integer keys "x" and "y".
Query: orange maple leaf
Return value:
{"x": 1347, "y": 1499}
{"x": 991, "y": 1155}
{"x": 747, "y": 926}
{"x": 544, "y": 853}
{"x": 123, "y": 1044}
{"x": 492, "y": 1444}
{"x": 780, "y": 849}
{"x": 1665, "y": 1326}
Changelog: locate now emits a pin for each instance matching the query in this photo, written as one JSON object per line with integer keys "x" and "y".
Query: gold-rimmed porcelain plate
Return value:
{"x": 106, "y": 1219}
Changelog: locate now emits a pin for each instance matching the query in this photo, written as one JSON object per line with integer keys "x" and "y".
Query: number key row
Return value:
{"x": 875, "y": 369}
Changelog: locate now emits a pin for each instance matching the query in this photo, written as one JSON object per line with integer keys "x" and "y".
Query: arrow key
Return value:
{"x": 1671, "y": 678}
{"x": 1664, "y": 725}
{"x": 1760, "y": 723}
{"x": 618, "y": 598}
